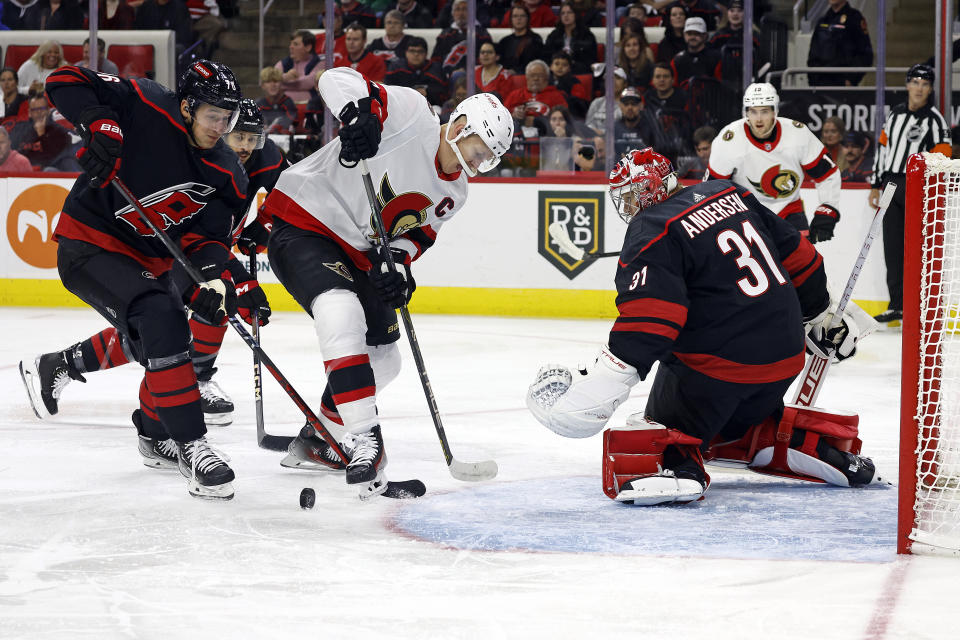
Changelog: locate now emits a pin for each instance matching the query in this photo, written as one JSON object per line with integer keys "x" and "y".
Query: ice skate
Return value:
{"x": 367, "y": 456}
{"x": 205, "y": 469}
{"x": 890, "y": 317}
{"x": 310, "y": 451}
{"x": 216, "y": 404}
{"x": 156, "y": 453}
{"x": 45, "y": 379}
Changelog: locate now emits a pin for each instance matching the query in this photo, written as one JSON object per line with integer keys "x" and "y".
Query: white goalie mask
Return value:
{"x": 489, "y": 119}
{"x": 761, "y": 94}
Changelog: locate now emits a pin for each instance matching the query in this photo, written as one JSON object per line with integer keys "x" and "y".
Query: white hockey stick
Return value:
{"x": 558, "y": 231}
{"x": 818, "y": 364}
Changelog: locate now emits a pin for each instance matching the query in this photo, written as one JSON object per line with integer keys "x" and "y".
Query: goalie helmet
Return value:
{"x": 250, "y": 120}
{"x": 210, "y": 83}
{"x": 761, "y": 94}
{"x": 489, "y": 119}
{"x": 640, "y": 180}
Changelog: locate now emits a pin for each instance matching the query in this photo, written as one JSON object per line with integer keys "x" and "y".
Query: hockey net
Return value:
{"x": 929, "y": 520}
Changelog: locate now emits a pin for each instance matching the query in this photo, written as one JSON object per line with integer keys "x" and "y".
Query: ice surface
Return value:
{"x": 95, "y": 545}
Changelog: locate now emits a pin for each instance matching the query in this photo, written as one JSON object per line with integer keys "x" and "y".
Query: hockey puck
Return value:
{"x": 307, "y": 498}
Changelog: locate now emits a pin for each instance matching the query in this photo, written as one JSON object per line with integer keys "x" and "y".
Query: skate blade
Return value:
{"x": 291, "y": 461}
{"x": 153, "y": 463}
{"x": 218, "y": 492}
{"x": 218, "y": 419}
{"x": 372, "y": 489}
{"x": 29, "y": 375}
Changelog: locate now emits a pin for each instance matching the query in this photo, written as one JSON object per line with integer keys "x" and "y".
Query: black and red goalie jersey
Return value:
{"x": 195, "y": 192}
{"x": 718, "y": 280}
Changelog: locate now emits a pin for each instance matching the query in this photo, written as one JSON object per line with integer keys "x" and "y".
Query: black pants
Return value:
{"x": 893, "y": 223}
{"x": 704, "y": 407}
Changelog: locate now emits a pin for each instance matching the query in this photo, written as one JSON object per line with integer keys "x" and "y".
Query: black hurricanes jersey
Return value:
{"x": 263, "y": 168}
{"x": 196, "y": 192}
{"x": 717, "y": 279}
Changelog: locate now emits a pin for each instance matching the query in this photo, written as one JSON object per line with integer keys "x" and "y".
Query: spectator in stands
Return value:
{"x": 572, "y": 36}
{"x": 51, "y": 15}
{"x": 355, "y": 11}
{"x": 574, "y": 91}
{"x": 14, "y": 12}
{"x": 415, "y": 14}
{"x": 540, "y": 14}
{"x": 391, "y": 45}
{"x": 420, "y": 73}
{"x": 445, "y": 52}
{"x": 491, "y": 76}
{"x": 859, "y": 164}
{"x": 521, "y": 46}
{"x": 45, "y": 143}
{"x": 116, "y": 15}
{"x": 732, "y": 33}
{"x": 45, "y": 60}
{"x": 631, "y": 131}
{"x": 370, "y": 66}
{"x": 696, "y": 167}
{"x": 537, "y": 97}
{"x": 339, "y": 38}
{"x": 672, "y": 42}
{"x": 710, "y": 10}
{"x": 589, "y": 13}
{"x": 104, "y": 65}
{"x": 15, "y": 105}
{"x": 636, "y": 58}
{"x": 597, "y": 113}
{"x": 663, "y": 95}
{"x": 840, "y": 39}
{"x": 11, "y": 161}
{"x": 279, "y": 111}
{"x": 696, "y": 60}
{"x": 301, "y": 68}
{"x": 831, "y": 135}
{"x": 457, "y": 96}
{"x": 166, "y": 15}
{"x": 208, "y": 24}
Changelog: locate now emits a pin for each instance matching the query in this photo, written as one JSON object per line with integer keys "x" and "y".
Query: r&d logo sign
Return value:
{"x": 31, "y": 220}
{"x": 581, "y": 212}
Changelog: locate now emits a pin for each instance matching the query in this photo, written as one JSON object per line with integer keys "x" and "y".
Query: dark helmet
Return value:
{"x": 250, "y": 120}
{"x": 922, "y": 71}
{"x": 209, "y": 82}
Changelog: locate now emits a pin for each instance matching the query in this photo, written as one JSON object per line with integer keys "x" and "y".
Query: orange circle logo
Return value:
{"x": 30, "y": 223}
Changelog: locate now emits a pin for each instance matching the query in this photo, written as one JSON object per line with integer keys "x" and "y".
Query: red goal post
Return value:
{"x": 929, "y": 488}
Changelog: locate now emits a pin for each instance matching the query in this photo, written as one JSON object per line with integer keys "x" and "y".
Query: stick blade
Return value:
{"x": 275, "y": 443}
{"x": 473, "y": 471}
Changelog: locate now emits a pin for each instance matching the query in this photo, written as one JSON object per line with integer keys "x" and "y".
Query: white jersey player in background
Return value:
{"x": 325, "y": 251}
{"x": 770, "y": 156}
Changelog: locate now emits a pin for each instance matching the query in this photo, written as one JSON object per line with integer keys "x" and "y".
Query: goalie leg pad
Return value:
{"x": 646, "y": 463}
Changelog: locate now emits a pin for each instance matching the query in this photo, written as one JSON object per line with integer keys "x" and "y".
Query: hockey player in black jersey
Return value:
{"x": 167, "y": 149}
{"x": 51, "y": 372}
{"x": 716, "y": 288}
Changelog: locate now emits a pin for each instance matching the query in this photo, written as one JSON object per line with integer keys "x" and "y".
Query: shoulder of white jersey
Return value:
{"x": 733, "y": 132}
{"x": 790, "y": 123}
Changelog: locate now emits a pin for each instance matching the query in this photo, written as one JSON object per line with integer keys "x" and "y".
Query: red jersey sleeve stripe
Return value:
{"x": 347, "y": 361}
{"x": 351, "y": 396}
{"x": 654, "y": 308}
{"x": 833, "y": 169}
{"x": 800, "y": 258}
{"x": 653, "y": 328}
{"x": 815, "y": 161}
{"x": 718, "y": 176}
{"x": 136, "y": 88}
{"x": 67, "y": 74}
{"x": 270, "y": 168}
{"x": 239, "y": 193}
{"x": 802, "y": 277}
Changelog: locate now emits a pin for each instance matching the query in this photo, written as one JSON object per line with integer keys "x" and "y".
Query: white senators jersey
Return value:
{"x": 416, "y": 197}
{"x": 774, "y": 169}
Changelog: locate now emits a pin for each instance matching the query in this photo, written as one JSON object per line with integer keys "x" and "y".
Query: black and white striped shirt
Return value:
{"x": 907, "y": 132}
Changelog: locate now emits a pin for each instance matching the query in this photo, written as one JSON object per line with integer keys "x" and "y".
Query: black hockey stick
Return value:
{"x": 264, "y": 439}
{"x": 467, "y": 471}
{"x": 818, "y": 363}
{"x": 558, "y": 231}
{"x": 259, "y": 353}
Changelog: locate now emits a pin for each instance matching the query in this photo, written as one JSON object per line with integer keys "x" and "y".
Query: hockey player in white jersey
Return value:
{"x": 325, "y": 251}
{"x": 770, "y": 156}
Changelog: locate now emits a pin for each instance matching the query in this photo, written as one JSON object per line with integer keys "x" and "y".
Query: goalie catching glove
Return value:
{"x": 578, "y": 405}
{"x": 394, "y": 286}
{"x": 840, "y": 341}
{"x": 825, "y": 218}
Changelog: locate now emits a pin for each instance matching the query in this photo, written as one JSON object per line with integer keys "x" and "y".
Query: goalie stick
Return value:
{"x": 466, "y": 471}
{"x": 817, "y": 364}
{"x": 402, "y": 489}
{"x": 558, "y": 231}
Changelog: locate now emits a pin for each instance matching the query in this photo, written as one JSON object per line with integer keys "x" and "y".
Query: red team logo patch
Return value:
{"x": 168, "y": 207}
{"x": 777, "y": 183}
{"x": 403, "y": 212}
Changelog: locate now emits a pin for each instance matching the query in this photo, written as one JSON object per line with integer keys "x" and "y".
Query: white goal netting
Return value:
{"x": 936, "y": 505}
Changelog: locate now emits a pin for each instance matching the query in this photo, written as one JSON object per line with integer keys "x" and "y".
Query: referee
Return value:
{"x": 911, "y": 127}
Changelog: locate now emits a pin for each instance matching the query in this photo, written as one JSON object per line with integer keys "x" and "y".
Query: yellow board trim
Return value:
{"x": 482, "y": 301}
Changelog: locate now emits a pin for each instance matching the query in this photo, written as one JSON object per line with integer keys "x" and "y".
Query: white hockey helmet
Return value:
{"x": 489, "y": 119}
{"x": 761, "y": 94}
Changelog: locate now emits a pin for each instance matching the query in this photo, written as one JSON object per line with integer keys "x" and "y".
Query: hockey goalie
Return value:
{"x": 724, "y": 294}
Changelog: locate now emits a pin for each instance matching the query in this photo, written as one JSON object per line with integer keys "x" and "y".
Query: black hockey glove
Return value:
{"x": 799, "y": 221}
{"x": 213, "y": 301}
{"x": 393, "y": 287}
{"x": 253, "y": 238}
{"x": 361, "y": 124}
{"x": 825, "y": 218}
{"x": 100, "y": 154}
{"x": 250, "y": 298}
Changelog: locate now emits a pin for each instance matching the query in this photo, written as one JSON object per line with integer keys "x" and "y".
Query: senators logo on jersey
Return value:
{"x": 777, "y": 183}
{"x": 400, "y": 213}
{"x": 168, "y": 208}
